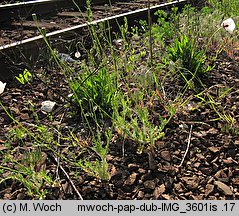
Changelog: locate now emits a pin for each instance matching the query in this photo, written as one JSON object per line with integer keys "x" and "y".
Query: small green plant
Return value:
{"x": 228, "y": 7}
{"x": 17, "y": 135}
{"x": 24, "y": 77}
{"x": 166, "y": 25}
{"x": 95, "y": 92}
{"x": 28, "y": 171}
{"x": 188, "y": 58}
{"x": 98, "y": 167}
{"x": 133, "y": 122}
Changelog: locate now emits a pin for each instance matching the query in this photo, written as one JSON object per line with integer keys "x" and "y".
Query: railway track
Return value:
{"x": 17, "y": 24}
{"x": 29, "y": 43}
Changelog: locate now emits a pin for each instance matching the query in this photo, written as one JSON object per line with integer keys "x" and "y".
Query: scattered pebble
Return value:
{"x": 2, "y": 87}
{"x": 47, "y": 106}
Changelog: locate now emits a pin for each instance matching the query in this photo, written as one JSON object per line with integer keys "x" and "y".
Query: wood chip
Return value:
{"x": 190, "y": 182}
{"x": 209, "y": 189}
{"x": 235, "y": 181}
{"x": 166, "y": 155}
{"x": 131, "y": 179}
{"x": 214, "y": 149}
{"x": 150, "y": 184}
{"x": 159, "y": 191}
{"x": 223, "y": 188}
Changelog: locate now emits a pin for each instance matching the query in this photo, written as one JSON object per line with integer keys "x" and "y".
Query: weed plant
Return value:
{"x": 98, "y": 167}
{"x": 167, "y": 25}
{"x": 188, "y": 60}
{"x": 132, "y": 120}
{"x": 95, "y": 92}
{"x": 28, "y": 171}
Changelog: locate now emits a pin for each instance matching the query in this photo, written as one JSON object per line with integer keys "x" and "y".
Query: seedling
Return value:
{"x": 24, "y": 77}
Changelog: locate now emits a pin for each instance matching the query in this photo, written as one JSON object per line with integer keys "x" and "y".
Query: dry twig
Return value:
{"x": 69, "y": 179}
{"x": 189, "y": 141}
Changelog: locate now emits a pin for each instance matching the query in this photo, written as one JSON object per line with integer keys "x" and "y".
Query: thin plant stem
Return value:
{"x": 150, "y": 35}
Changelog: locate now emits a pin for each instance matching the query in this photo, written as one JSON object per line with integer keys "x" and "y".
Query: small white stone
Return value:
{"x": 2, "y": 87}
{"x": 70, "y": 95}
{"x": 229, "y": 25}
{"x": 77, "y": 54}
{"x": 47, "y": 106}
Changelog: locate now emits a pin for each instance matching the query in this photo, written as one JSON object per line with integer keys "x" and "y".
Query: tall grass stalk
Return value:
{"x": 150, "y": 35}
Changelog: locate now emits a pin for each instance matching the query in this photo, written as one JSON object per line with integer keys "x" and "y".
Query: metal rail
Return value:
{"x": 25, "y": 9}
{"x": 30, "y": 47}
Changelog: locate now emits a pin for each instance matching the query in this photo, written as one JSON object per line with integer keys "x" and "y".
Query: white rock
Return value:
{"x": 77, "y": 54}
{"x": 2, "y": 87}
{"x": 229, "y": 25}
{"x": 47, "y": 106}
{"x": 70, "y": 95}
